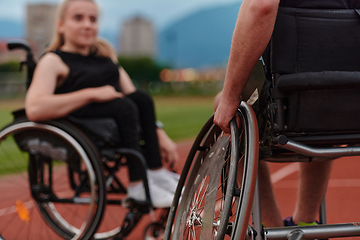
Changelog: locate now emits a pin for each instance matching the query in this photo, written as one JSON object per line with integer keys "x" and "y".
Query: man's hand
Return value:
{"x": 225, "y": 112}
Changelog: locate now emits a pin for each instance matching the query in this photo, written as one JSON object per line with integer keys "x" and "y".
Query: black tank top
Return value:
{"x": 87, "y": 71}
{"x": 321, "y": 4}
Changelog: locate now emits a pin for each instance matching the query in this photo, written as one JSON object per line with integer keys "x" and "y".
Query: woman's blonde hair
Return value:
{"x": 100, "y": 48}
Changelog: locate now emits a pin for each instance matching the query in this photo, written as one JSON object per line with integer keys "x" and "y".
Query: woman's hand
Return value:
{"x": 105, "y": 94}
{"x": 168, "y": 149}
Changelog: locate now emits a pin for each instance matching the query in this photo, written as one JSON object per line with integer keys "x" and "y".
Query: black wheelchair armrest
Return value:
{"x": 318, "y": 81}
{"x": 318, "y": 102}
{"x": 19, "y": 113}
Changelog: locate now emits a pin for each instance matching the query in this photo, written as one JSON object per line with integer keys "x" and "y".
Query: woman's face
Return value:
{"x": 79, "y": 26}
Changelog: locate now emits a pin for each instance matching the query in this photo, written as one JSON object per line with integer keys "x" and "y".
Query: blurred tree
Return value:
{"x": 142, "y": 70}
{"x": 9, "y": 67}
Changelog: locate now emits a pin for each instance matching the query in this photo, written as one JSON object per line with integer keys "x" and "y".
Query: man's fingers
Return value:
{"x": 226, "y": 130}
{"x": 224, "y": 127}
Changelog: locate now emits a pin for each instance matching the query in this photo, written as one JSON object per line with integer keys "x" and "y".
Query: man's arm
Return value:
{"x": 253, "y": 30}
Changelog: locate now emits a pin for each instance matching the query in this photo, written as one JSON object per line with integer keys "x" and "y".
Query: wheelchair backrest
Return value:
{"x": 316, "y": 71}
{"x": 313, "y": 40}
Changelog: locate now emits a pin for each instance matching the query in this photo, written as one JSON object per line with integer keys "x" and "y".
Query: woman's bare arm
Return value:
{"x": 126, "y": 84}
{"x": 42, "y": 104}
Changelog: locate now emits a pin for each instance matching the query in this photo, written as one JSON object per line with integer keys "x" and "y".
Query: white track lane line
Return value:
{"x": 333, "y": 183}
{"x": 344, "y": 183}
{"x": 275, "y": 177}
{"x": 284, "y": 172}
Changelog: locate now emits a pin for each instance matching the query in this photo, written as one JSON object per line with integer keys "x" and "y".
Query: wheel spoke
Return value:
{"x": 207, "y": 210}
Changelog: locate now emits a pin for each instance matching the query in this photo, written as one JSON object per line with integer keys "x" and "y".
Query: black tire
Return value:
{"x": 58, "y": 172}
{"x": 216, "y": 198}
{"x": 118, "y": 218}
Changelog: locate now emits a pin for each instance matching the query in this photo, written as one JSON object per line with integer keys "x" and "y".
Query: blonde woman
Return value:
{"x": 79, "y": 76}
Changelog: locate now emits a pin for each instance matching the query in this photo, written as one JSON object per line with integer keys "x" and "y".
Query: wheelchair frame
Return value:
{"x": 102, "y": 167}
{"x": 250, "y": 195}
{"x": 276, "y": 143}
{"x": 322, "y": 231}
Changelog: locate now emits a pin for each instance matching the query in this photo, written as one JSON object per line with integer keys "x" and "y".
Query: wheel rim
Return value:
{"x": 115, "y": 212}
{"x": 190, "y": 225}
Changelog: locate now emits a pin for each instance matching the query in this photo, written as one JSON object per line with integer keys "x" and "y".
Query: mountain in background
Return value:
{"x": 201, "y": 39}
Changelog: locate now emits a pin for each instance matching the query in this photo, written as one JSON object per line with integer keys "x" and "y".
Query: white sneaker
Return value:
{"x": 174, "y": 175}
{"x": 160, "y": 198}
{"x": 164, "y": 179}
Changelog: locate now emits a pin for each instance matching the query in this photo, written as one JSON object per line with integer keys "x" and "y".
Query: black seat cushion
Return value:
{"x": 102, "y": 131}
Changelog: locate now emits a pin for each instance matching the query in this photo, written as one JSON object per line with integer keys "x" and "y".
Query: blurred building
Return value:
{"x": 40, "y": 26}
{"x": 138, "y": 38}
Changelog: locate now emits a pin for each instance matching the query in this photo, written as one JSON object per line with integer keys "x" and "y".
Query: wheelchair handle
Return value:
{"x": 30, "y": 61}
{"x": 19, "y": 44}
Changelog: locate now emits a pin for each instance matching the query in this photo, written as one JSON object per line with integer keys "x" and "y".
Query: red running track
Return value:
{"x": 342, "y": 196}
{"x": 343, "y": 193}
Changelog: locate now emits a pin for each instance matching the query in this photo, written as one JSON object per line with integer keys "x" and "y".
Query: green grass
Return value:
{"x": 184, "y": 116}
{"x": 5, "y": 118}
{"x": 13, "y": 160}
{"x": 6, "y": 107}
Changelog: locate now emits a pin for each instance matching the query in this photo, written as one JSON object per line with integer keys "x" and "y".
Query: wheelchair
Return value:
{"x": 65, "y": 179}
{"x": 308, "y": 110}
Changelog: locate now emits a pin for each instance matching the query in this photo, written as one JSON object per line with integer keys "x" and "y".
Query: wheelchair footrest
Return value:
{"x": 131, "y": 219}
{"x": 133, "y": 205}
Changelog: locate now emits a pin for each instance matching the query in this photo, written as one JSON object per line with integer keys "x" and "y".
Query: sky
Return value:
{"x": 115, "y": 12}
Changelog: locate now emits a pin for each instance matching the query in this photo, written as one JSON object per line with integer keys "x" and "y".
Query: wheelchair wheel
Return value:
{"x": 121, "y": 214}
{"x": 154, "y": 231}
{"x": 219, "y": 188}
{"x": 51, "y": 182}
